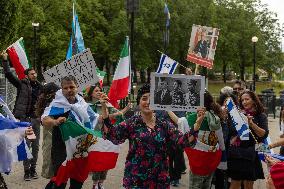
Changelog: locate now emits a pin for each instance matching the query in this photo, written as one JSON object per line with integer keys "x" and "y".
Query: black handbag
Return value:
{"x": 247, "y": 153}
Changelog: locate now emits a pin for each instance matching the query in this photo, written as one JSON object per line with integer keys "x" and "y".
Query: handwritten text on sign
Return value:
{"x": 82, "y": 66}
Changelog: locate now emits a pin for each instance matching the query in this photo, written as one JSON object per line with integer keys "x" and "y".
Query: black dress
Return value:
{"x": 247, "y": 165}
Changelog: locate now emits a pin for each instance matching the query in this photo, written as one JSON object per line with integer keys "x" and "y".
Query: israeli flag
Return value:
{"x": 167, "y": 65}
{"x": 238, "y": 119}
{"x": 13, "y": 147}
{"x": 80, "y": 112}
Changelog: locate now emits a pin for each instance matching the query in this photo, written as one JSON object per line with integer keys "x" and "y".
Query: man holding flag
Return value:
{"x": 76, "y": 149}
{"x": 28, "y": 90}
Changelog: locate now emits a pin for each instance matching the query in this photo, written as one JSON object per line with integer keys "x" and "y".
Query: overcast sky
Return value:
{"x": 278, "y": 7}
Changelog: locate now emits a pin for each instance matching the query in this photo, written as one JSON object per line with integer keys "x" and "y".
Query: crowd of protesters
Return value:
{"x": 208, "y": 136}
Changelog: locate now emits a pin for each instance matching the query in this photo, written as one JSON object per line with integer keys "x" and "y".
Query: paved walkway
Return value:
{"x": 114, "y": 178}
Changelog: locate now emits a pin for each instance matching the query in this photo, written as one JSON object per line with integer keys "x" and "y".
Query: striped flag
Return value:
{"x": 167, "y": 65}
{"x": 13, "y": 146}
{"x": 80, "y": 112}
{"x": 101, "y": 75}
{"x": 86, "y": 151}
{"x": 19, "y": 58}
{"x": 238, "y": 119}
{"x": 120, "y": 86}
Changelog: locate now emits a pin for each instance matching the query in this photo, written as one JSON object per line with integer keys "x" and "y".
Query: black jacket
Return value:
{"x": 27, "y": 94}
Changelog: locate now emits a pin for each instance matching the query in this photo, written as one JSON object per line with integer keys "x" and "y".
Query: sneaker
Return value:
{"x": 33, "y": 174}
{"x": 27, "y": 176}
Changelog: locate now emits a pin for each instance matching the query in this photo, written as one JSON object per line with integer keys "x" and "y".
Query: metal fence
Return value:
{"x": 7, "y": 91}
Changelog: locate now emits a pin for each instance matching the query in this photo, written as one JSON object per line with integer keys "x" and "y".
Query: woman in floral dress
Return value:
{"x": 149, "y": 137}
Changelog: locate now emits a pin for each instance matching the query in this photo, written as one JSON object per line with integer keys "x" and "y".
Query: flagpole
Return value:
{"x": 176, "y": 61}
{"x": 196, "y": 69}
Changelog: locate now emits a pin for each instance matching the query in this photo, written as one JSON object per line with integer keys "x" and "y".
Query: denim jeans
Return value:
{"x": 33, "y": 144}
{"x": 200, "y": 182}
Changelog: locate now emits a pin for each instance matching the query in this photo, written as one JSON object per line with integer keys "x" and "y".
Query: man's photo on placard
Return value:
{"x": 162, "y": 92}
{"x": 202, "y": 45}
{"x": 176, "y": 92}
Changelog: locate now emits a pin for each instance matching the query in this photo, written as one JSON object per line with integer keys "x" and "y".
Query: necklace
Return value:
{"x": 151, "y": 122}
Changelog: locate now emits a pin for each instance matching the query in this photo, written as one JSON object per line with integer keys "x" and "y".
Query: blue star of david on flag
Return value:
{"x": 238, "y": 119}
{"x": 167, "y": 65}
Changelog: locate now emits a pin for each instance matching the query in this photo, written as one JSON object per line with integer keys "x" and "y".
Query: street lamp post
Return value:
{"x": 254, "y": 39}
{"x": 35, "y": 26}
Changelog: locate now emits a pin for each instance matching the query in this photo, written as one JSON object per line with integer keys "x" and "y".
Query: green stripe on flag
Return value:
{"x": 21, "y": 42}
{"x": 73, "y": 130}
{"x": 100, "y": 73}
{"x": 125, "y": 50}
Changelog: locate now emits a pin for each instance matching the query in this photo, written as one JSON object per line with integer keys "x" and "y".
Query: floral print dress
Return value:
{"x": 147, "y": 163}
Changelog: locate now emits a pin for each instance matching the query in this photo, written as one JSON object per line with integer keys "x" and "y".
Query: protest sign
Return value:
{"x": 82, "y": 66}
{"x": 176, "y": 92}
{"x": 202, "y": 45}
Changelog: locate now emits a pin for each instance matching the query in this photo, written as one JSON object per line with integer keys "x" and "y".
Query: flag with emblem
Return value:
{"x": 167, "y": 65}
{"x": 86, "y": 152}
{"x": 208, "y": 153}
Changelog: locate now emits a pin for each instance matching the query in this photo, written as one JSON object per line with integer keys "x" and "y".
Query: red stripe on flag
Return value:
{"x": 203, "y": 163}
{"x": 16, "y": 63}
{"x": 118, "y": 90}
{"x": 79, "y": 168}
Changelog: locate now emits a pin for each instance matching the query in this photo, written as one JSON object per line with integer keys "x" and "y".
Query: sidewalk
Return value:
{"x": 114, "y": 178}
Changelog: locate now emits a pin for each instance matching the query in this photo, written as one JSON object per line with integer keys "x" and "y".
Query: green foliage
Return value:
{"x": 105, "y": 23}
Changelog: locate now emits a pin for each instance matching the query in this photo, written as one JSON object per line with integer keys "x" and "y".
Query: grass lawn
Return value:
{"x": 214, "y": 87}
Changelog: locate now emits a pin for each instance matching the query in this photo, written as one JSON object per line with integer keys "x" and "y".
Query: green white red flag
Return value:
{"x": 86, "y": 151}
{"x": 19, "y": 57}
{"x": 121, "y": 82}
{"x": 101, "y": 75}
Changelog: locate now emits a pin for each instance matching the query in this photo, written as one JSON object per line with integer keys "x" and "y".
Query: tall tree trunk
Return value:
{"x": 224, "y": 71}
{"x": 107, "y": 70}
{"x": 148, "y": 75}
{"x": 142, "y": 76}
{"x": 242, "y": 70}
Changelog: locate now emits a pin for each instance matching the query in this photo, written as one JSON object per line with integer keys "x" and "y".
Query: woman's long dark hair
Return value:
{"x": 210, "y": 104}
{"x": 88, "y": 96}
{"x": 258, "y": 105}
{"x": 45, "y": 98}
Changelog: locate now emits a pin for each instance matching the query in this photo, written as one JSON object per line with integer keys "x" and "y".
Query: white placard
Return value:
{"x": 176, "y": 92}
{"x": 82, "y": 66}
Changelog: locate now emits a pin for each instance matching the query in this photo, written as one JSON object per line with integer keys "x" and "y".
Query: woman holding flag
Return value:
{"x": 243, "y": 162}
{"x": 93, "y": 97}
{"x": 149, "y": 136}
{"x": 205, "y": 154}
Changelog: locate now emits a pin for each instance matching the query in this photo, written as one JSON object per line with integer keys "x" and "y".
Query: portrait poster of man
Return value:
{"x": 176, "y": 92}
{"x": 202, "y": 45}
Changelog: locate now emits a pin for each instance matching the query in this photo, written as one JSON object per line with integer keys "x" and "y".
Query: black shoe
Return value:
{"x": 33, "y": 174}
{"x": 175, "y": 183}
{"x": 27, "y": 176}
